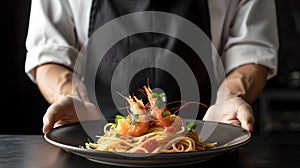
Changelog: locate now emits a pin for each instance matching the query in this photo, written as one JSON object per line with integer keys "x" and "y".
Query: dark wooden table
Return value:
{"x": 265, "y": 151}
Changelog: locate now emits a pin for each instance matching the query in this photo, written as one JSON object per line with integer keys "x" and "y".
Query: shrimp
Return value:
{"x": 171, "y": 123}
{"x": 125, "y": 127}
{"x": 157, "y": 102}
{"x": 137, "y": 122}
{"x": 136, "y": 106}
{"x": 158, "y": 108}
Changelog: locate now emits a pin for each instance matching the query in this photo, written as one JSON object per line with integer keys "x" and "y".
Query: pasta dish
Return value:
{"x": 149, "y": 128}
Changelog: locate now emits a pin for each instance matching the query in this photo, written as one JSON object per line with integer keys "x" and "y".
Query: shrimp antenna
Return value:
{"x": 126, "y": 98}
{"x": 186, "y": 104}
{"x": 142, "y": 91}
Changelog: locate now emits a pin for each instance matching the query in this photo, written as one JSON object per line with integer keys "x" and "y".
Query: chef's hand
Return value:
{"x": 67, "y": 95}
{"x": 234, "y": 111}
{"x": 240, "y": 88}
{"x": 69, "y": 109}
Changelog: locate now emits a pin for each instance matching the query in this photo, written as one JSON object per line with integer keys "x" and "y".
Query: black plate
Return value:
{"x": 70, "y": 137}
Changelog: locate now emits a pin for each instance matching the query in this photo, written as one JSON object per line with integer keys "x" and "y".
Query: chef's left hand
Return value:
{"x": 234, "y": 111}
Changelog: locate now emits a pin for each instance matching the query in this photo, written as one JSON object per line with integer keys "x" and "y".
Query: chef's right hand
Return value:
{"x": 69, "y": 109}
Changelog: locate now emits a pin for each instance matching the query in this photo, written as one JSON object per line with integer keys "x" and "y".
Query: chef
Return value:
{"x": 65, "y": 37}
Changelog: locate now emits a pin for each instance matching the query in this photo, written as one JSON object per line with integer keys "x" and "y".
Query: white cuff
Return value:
{"x": 245, "y": 54}
{"x": 64, "y": 55}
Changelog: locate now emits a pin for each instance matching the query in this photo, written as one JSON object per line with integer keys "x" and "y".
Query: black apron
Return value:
{"x": 104, "y": 11}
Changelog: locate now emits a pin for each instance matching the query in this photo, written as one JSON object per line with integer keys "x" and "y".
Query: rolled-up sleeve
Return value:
{"x": 253, "y": 36}
{"x": 51, "y": 35}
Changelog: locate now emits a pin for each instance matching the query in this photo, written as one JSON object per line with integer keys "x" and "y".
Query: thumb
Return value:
{"x": 51, "y": 117}
{"x": 246, "y": 117}
{"x": 47, "y": 125}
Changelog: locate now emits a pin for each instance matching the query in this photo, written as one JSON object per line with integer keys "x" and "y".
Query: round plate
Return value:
{"x": 71, "y": 137}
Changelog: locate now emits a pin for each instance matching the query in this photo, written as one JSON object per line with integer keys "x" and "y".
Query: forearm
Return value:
{"x": 246, "y": 81}
{"x": 67, "y": 95}
{"x": 56, "y": 81}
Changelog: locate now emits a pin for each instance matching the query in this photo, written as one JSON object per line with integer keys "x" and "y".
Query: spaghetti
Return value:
{"x": 149, "y": 128}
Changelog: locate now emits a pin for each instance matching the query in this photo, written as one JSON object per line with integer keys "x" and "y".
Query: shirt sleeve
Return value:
{"x": 253, "y": 36}
{"x": 51, "y": 35}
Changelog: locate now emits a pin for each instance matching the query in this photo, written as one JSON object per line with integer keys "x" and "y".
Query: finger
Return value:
{"x": 214, "y": 113}
{"x": 246, "y": 117}
{"x": 46, "y": 125}
{"x": 51, "y": 117}
{"x": 207, "y": 115}
{"x": 233, "y": 122}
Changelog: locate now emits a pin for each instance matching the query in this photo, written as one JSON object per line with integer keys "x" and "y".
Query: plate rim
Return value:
{"x": 76, "y": 150}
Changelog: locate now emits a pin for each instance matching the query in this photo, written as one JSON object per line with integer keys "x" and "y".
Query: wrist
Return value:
{"x": 246, "y": 81}
{"x": 229, "y": 89}
{"x": 57, "y": 82}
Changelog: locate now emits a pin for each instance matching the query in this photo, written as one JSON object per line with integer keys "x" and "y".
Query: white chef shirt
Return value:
{"x": 243, "y": 31}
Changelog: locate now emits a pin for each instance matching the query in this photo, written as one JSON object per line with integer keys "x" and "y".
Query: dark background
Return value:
{"x": 22, "y": 105}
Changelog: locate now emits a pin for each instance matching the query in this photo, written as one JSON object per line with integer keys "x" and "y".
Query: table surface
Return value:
{"x": 33, "y": 151}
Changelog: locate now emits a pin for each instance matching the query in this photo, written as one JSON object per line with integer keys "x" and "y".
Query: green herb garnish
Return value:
{"x": 134, "y": 118}
{"x": 154, "y": 95}
{"x": 161, "y": 99}
{"x": 166, "y": 114}
{"x": 189, "y": 127}
{"x": 119, "y": 117}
